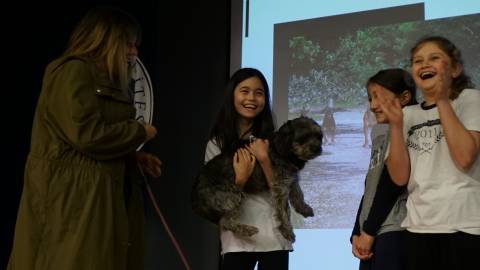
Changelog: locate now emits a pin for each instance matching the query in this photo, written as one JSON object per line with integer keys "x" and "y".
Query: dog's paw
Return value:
{"x": 246, "y": 230}
{"x": 239, "y": 229}
{"x": 305, "y": 211}
{"x": 287, "y": 234}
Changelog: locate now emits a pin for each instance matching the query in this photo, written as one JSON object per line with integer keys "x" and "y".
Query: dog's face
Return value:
{"x": 301, "y": 137}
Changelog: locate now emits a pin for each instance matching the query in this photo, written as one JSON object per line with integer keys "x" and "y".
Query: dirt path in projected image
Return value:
{"x": 333, "y": 183}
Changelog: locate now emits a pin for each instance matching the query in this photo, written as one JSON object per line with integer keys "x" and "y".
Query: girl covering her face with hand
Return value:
{"x": 377, "y": 238}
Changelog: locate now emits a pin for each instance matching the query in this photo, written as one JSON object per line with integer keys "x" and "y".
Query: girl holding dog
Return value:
{"x": 246, "y": 112}
{"x": 377, "y": 238}
{"x": 443, "y": 146}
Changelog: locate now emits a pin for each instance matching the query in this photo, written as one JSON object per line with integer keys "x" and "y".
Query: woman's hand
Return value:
{"x": 151, "y": 132}
{"x": 150, "y": 164}
{"x": 243, "y": 165}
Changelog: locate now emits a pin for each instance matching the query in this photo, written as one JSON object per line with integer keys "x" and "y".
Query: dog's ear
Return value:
{"x": 283, "y": 139}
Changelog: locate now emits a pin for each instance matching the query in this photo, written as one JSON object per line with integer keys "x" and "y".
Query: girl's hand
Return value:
{"x": 356, "y": 249}
{"x": 364, "y": 244}
{"x": 391, "y": 107}
{"x": 442, "y": 86}
{"x": 243, "y": 165}
{"x": 259, "y": 148}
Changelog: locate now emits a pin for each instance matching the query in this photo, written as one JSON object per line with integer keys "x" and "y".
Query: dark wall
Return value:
{"x": 192, "y": 52}
{"x": 185, "y": 48}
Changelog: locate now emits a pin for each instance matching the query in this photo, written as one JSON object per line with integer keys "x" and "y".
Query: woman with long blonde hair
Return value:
{"x": 81, "y": 204}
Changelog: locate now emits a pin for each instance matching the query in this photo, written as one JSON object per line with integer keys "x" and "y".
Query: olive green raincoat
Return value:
{"x": 80, "y": 207}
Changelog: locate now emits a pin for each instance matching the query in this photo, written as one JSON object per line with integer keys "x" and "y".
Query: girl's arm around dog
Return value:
{"x": 259, "y": 148}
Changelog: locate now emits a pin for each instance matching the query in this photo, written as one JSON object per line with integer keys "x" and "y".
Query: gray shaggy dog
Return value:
{"x": 216, "y": 197}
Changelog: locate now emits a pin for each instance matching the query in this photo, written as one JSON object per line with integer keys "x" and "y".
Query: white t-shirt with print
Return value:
{"x": 255, "y": 210}
{"x": 442, "y": 198}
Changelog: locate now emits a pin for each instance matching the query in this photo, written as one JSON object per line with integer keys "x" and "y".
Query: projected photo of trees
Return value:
{"x": 323, "y": 75}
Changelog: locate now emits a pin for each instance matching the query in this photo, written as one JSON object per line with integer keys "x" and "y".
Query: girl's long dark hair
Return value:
{"x": 462, "y": 81}
{"x": 225, "y": 130}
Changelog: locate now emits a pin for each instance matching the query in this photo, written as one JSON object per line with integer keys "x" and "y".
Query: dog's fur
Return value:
{"x": 216, "y": 197}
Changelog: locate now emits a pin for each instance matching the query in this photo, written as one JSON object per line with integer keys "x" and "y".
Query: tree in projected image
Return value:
{"x": 318, "y": 74}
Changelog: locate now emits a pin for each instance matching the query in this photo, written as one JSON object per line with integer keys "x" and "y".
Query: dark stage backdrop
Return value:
{"x": 185, "y": 48}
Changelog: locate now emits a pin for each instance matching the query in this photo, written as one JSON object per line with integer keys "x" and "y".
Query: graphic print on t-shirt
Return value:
{"x": 376, "y": 157}
{"x": 425, "y": 136}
